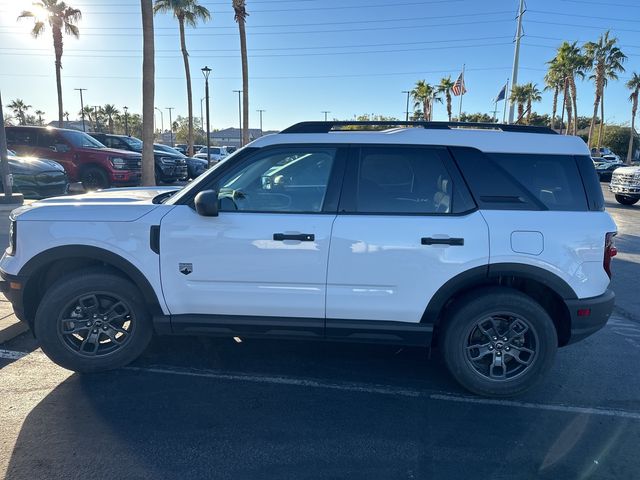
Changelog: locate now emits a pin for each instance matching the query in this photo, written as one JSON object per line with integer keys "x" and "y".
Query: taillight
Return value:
{"x": 610, "y": 251}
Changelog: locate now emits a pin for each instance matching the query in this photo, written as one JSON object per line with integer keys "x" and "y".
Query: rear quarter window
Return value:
{"x": 554, "y": 180}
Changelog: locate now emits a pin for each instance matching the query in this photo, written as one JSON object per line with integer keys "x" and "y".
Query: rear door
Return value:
{"x": 406, "y": 225}
{"x": 53, "y": 146}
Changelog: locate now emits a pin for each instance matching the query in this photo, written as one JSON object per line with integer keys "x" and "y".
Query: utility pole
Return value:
{"x": 406, "y": 117}
{"x": 170, "y": 123}
{"x": 201, "y": 117}
{"x": 239, "y": 92}
{"x": 126, "y": 121}
{"x": 260, "y": 111}
{"x": 161, "y": 121}
{"x": 206, "y": 71}
{"x": 325, "y": 114}
{"x": 516, "y": 58}
{"x": 81, "y": 106}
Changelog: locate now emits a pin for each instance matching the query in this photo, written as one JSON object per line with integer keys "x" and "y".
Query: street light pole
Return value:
{"x": 202, "y": 116}
{"x": 170, "y": 124}
{"x": 406, "y": 117}
{"x": 239, "y": 92}
{"x": 325, "y": 114}
{"x": 206, "y": 71}
{"x": 161, "y": 121}
{"x": 81, "y": 106}
{"x": 516, "y": 58}
{"x": 126, "y": 121}
{"x": 260, "y": 111}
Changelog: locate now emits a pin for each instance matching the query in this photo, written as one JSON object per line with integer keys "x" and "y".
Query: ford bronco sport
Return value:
{"x": 487, "y": 241}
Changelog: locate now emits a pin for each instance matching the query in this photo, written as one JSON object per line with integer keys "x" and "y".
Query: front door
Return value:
{"x": 406, "y": 225}
{"x": 266, "y": 252}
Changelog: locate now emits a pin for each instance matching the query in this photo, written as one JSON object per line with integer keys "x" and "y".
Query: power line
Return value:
{"x": 607, "y": 4}
{"x": 580, "y": 26}
{"x": 191, "y": 34}
{"x": 583, "y": 16}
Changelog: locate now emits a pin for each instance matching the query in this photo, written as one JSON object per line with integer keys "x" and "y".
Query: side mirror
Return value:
{"x": 206, "y": 203}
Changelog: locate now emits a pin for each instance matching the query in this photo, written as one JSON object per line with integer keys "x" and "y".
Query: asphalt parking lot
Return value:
{"x": 214, "y": 408}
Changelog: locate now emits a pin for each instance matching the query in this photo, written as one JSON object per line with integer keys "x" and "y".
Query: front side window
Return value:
{"x": 279, "y": 181}
{"x": 405, "y": 181}
{"x": 81, "y": 140}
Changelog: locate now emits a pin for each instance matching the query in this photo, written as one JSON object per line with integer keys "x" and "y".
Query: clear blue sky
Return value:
{"x": 346, "y": 56}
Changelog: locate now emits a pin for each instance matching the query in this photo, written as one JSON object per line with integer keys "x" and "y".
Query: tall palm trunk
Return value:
{"x": 528, "y": 112}
{"x": 520, "y": 112}
{"x": 187, "y": 73}
{"x": 110, "y": 124}
{"x": 634, "y": 110}
{"x": 601, "y": 129}
{"x": 245, "y": 81}
{"x": 574, "y": 98}
{"x": 448, "y": 95}
{"x": 148, "y": 92}
{"x": 57, "y": 47}
{"x": 554, "y": 108}
{"x": 596, "y": 103}
{"x": 569, "y": 107}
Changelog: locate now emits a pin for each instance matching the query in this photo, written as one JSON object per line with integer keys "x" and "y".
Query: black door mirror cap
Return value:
{"x": 206, "y": 203}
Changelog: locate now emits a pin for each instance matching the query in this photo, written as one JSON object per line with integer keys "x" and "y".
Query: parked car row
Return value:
{"x": 97, "y": 160}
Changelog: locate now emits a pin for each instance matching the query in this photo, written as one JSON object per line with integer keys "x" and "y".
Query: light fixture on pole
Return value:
{"x": 206, "y": 71}
{"x": 81, "y": 106}
{"x": 161, "y": 121}
{"x": 126, "y": 121}
{"x": 170, "y": 123}
{"x": 239, "y": 92}
{"x": 260, "y": 111}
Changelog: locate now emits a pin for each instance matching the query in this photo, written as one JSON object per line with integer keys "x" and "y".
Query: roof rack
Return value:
{"x": 326, "y": 127}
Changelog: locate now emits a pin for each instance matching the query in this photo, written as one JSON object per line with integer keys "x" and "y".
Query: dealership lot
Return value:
{"x": 216, "y": 408}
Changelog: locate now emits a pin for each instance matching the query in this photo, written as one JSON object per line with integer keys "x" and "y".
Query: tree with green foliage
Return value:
{"x": 240, "y": 16}
{"x": 533, "y": 94}
{"x": 19, "y": 109}
{"x": 445, "y": 86}
{"x": 475, "y": 118}
{"x": 519, "y": 96}
{"x": 110, "y": 111}
{"x": 634, "y": 85}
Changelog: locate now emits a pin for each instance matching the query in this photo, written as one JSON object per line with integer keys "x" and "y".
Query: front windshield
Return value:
{"x": 167, "y": 149}
{"x": 133, "y": 142}
{"x": 82, "y": 140}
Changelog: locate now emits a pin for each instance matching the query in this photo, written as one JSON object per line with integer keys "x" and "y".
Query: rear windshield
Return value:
{"x": 554, "y": 180}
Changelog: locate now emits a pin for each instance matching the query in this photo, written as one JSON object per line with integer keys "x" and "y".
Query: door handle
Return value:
{"x": 442, "y": 241}
{"x": 301, "y": 237}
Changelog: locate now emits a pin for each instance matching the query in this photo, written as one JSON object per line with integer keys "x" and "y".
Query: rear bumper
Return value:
{"x": 599, "y": 308}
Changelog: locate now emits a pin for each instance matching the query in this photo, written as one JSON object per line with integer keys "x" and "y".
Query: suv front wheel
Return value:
{"x": 93, "y": 321}
{"x": 624, "y": 200}
{"x": 498, "y": 342}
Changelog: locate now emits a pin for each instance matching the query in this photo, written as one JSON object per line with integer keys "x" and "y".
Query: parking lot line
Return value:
{"x": 355, "y": 387}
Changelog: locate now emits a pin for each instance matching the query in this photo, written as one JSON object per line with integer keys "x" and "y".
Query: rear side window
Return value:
{"x": 405, "y": 180}
{"x": 25, "y": 137}
{"x": 554, "y": 180}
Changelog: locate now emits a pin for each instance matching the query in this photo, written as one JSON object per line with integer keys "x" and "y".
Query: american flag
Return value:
{"x": 458, "y": 87}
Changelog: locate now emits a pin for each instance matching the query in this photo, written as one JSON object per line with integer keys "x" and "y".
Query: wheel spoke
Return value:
{"x": 517, "y": 329}
{"x": 117, "y": 310}
{"x": 498, "y": 369}
{"x": 73, "y": 325}
{"x": 478, "y": 352}
{"x": 521, "y": 355}
{"x": 111, "y": 334}
{"x": 93, "y": 341}
{"x": 90, "y": 304}
{"x": 488, "y": 331}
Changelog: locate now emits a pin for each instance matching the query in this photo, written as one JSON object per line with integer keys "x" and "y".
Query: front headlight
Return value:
{"x": 118, "y": 163}
{"x": 167, "y": 161}
{"x": 13, "y": 231}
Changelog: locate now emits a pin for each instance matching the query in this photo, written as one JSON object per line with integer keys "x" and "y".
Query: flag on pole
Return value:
{"x": 502, "y": 94}
{"x": 459, "y": 87}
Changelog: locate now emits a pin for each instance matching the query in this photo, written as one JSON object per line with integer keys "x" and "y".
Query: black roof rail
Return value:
{"x": 326, "y": 127}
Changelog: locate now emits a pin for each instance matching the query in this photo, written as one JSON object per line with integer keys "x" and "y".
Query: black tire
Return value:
{"x": 95, "y": 178}
{"x": 624, "y": 200}
{"x": 466, "y": 327}
{"x": 119, "y": 341}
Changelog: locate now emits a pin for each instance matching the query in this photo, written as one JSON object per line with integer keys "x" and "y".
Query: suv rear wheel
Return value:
{"x": 93, "y": 321}
{"x": 498, "y": 342}
{"x": 94, "y": 178}
{"x": 624, "y": 200}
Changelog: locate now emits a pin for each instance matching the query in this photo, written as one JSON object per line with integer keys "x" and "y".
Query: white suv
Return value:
{"x": 490, "y": 243}
{"x": 215, "y": 154}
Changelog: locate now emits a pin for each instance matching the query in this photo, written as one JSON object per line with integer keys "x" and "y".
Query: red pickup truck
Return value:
{"x": 83, "y": 157}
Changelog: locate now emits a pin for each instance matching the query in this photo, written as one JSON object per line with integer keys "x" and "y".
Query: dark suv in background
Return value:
{"x": 84, "y": 158}
{"x": 169, "y": 167}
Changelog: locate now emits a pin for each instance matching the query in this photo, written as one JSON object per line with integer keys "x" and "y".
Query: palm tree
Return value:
{"x": 240, "y": 11}
{"x": 60, "y": 18}
{"x": 571, "y": 64}
{"x": 519, "y": 96}
{"x": 148, "y": 92}
{"x": 533, "y": 95}
{"x": 20, "y": 110}
{"x": 66, "y": 116}
{"x": 39, "y": 113}
{"x": 553, "y": 81}
{"x": 87, "y": 112}
{"x": 445, "y": 86}
{"x": 424, "y": 94}
{"x": 606, "y": 60}
{"x": 110, "y": 111}
{"x": 187, "y": 12}
{"x": 634, "y": 85}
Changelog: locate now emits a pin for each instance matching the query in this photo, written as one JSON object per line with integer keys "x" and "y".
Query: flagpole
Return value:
{"x": 506, "y": 92}
{"x": 461, "y": 94}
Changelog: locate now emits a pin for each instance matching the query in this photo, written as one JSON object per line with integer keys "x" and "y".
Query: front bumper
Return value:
{"x": 12, "y": 287}
{"x": 599, "y": 310}
{"x": 632, "y": 190}
{"x": 126, "y": 178}
{"x": 173, "y": 172}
